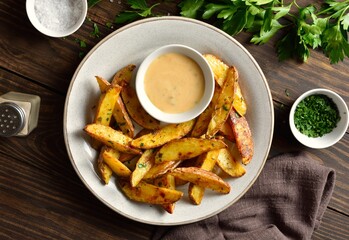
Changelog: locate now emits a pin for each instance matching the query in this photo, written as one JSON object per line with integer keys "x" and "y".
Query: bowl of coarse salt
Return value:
{"x": 56, "y": 18}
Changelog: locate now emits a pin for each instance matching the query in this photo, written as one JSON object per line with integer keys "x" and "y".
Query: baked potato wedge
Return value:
{"x": 160, "y": 169}
{"x": 243, "y": 136}
{"x": 143, "y": 165}
{"x": 219, "y": 68}
{"x": 224, "y": 103}
{"x": 167, "y": 181}
{"x": 111, "y": 138}
{"x": 163, "y": 135}
{"x": 202, "y": 178}
{"x": 120, "y": 114}
{"x": 229, "y": 165}
{"x": 227, "y": 132}
{"x": 204, "y": 118}
{"x": 239, "y": 102}
{"x": 102, "y": 83}
{"x": 206, "y": 161}
{"x": 136, "y": 111}
{"x": 106, "y": 105}
{"x": 111, "y": 158}
{"x": 123, "y": 76}
{"x": 148, "y": 193}
{"x": 186, "y": 148}
{"x": 103, "y": 169}
{"x": 122, "y": 118}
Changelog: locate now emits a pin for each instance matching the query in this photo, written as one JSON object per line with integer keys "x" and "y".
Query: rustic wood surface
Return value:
{"x": 41, "y": 196}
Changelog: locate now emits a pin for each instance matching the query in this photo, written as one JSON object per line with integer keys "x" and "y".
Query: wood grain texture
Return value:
{"x": 41, "y": 196}
{"x": 333, "y": 226}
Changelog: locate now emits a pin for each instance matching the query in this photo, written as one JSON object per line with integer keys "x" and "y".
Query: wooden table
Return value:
{"x": 41, "y": 196}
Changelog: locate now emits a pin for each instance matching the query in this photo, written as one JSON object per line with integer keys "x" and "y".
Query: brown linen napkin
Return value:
{"x": 287, "y": 201}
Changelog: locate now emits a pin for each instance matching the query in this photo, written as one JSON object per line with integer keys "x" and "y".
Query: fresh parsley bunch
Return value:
{"x": 305, "y": 27}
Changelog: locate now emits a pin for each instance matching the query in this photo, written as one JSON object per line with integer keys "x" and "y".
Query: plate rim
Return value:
{"x": 124, "y": 28}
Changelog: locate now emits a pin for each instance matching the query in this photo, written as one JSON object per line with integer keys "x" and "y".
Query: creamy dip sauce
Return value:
{"x": 174, "y": 83}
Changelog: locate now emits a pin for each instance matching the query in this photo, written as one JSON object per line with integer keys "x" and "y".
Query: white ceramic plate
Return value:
{"x": 131, "y": 44}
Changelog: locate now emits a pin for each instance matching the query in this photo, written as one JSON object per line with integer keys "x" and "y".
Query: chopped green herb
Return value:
{"x": 142, "y": 144}
{"x": 109, "y": 25}
{"x": 139, "y": 9}
{"x": 142, "y": 165}
{"x": 82, "y": 43}
{"x": 91, "y": 3}
{"x": 316, "y": 115}
{"x": 225, "y": 108}
{"x": 287, "y": 92}
{"x": 82, "y": 54}
{"x": 95, "y": 31}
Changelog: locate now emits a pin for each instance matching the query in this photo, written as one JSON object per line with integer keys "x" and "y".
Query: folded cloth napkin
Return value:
{"x": 287, "y": 201}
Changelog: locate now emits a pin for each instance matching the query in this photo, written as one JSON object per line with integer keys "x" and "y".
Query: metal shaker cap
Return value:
{"x": 12, "y": 119}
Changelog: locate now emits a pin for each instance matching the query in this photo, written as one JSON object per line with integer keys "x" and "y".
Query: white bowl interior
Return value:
{"x": 330, "y": 138}
{"x": 175, "y": 117}
{"x": 30, "y": 8}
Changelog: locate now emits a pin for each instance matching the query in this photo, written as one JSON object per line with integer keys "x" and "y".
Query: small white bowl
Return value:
{"x": 175, "y": 117}
{"x": 328, "y": 139}
{"x": 54, "y": 19}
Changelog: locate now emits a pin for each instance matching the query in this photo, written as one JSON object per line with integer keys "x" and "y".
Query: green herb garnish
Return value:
{"x": 316, "y": 115}
{"x": 139, "y": 9}
{"x": 142, "y": 165}
{"x": 305, "y": 28}
{"x": 95, "y": 31}
{"x": 91, "y": 3}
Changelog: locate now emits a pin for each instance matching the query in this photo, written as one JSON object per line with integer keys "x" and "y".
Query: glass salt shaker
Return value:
{"x": 19, "y": 113}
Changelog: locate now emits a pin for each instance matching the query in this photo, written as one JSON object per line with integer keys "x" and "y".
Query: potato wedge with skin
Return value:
{"x": 103, "y": 169}
{"x": 239, "y": 102}
{"x": 161, "y": 169}
{"x": 120, "y": 114}
{"x": 224, "y": 103}
{"x": 105, "y": 108}
{"x": 110, "y": 157}
{"x": 130, "y": 99}
{"x": 111, "y": 138}
{"x": 122, "y": 118}
{"x": 124, "y": 157}
{"x": 187, "y": 148}
{"x": 202, "y": 178}
{"x": 167, "y": 181}
{"x": 227, "y": 132}
{"x": 229, "y": 165}
{"x": 163, "y": 135}
{"x": 207, "y": 162}
{"x": 106, "y": 105}
{"x": 204, "y": 118}
{"x": 124, "y": 75}
{"x": 143, "y": 165}
{"x": 148, "y": 193}
{"x": 219, "y": 68}
{"x": 243, "y": 136}
{"x": 102, "y": 83}
{"x": 136, "y": 111}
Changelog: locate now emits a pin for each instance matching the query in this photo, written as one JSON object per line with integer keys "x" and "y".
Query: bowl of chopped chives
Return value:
{"x": 319, "y": 118}
{"x": 56, "y": 18}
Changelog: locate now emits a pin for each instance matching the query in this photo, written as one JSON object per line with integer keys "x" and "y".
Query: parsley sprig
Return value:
{"x": 309, "y": 28}
{"x": 304, "y": 28}
{"x": 139, "y": 9}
